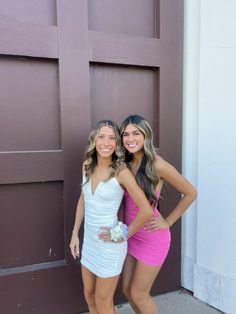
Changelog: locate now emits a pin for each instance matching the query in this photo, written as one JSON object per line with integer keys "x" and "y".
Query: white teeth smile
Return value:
{"x": 132, "y": 145}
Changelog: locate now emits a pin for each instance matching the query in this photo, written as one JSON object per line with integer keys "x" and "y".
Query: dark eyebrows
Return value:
{"x": 133, "y": 132}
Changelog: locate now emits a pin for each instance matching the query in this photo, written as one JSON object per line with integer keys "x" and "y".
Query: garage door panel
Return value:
{"x": 131, "y": 17}
{"x": 29, "y": 112}
{"x": 131, "y": 89}
{"x": 31, "y": 225}
{"x": 30, "y": 11}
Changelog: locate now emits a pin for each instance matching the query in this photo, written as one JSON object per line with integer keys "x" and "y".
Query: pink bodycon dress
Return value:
{"x": 150, "y": 248}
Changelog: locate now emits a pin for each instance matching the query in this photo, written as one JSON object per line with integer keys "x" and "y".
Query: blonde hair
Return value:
{"x": 118, "y": 156}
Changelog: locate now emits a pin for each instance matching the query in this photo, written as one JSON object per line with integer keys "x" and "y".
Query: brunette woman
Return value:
{"x": 148, "y": 247}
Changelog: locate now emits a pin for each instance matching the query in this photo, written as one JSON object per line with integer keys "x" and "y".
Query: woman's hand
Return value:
{"x": 156, "y": 223}
{"x": 74, "y": 245}
{"x": 105, "y": 236}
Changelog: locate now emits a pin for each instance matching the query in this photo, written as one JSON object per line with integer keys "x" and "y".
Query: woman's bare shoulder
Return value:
{"x": 124, "y": 174}
{"x": 162, "y": 165}
{"x": 159, "y": 162}
{"x": 121, "y": 168}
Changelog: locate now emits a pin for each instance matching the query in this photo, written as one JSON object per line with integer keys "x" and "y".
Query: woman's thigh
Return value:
{"x": 128, "y": 272}
{"x": 105, "y": 288}
{"x": 144, "y": 277}
{"x": 89, "y": 280}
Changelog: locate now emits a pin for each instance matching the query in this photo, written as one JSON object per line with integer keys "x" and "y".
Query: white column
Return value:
{"x": 190, "y": 134}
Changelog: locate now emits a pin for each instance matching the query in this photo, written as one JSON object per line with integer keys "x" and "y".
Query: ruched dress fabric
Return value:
{"x": 150, "y": 248}
{"x": 104, "y": 259}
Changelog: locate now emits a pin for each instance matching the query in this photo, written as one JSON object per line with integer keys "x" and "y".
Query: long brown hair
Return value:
{"x": 146, "y": 175}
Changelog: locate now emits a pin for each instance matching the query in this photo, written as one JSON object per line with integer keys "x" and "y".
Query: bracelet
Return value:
{"x": 119, "y": 232}
{"x": 169, "y": 222}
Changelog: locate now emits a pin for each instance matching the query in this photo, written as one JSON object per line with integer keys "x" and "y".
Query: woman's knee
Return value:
{"x": 89, "y": 297}
{"x": 126, "y": 290}
{"x": 138, "y": 296}
{"x": 103, "y": 304}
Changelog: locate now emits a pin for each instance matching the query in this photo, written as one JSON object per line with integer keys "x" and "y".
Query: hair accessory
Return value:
{"x": 119, "y": 232}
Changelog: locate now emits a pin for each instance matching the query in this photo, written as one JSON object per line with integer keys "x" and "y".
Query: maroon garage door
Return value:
{"x": 63, "y": 66}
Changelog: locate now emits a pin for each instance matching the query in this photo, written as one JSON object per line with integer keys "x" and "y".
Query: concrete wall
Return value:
{"x": 209, "y": 151}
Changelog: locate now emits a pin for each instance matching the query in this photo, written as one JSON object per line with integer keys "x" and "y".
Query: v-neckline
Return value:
{"x": 97, "y": 186}
{"x": 91, "y": 189}
{"x": 101, "y": 182}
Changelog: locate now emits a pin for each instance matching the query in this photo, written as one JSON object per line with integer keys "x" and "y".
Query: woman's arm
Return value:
{"x": 145, "y": 212}
{"x": 79, "y": 214}
{"x": 169, "y": 174}
{"x": 74, "y": 242}
{"x": 181, "y": 184}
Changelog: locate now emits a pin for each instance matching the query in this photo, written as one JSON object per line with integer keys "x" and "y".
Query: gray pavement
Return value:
{"x": 177, "y": 302}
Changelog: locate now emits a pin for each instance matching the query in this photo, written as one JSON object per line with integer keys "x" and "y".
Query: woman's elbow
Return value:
{"x": 193, "y": 195}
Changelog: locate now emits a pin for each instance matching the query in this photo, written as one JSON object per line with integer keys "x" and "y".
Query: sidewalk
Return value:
{"x": 177, "y": 302}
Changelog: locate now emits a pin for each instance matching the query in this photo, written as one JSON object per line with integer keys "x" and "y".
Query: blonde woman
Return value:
{"x": 105, "y": 177}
